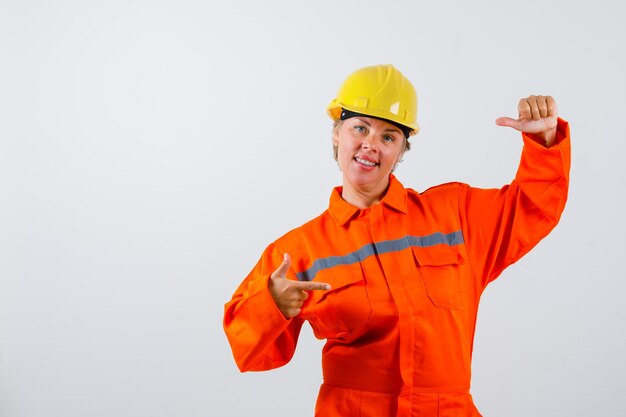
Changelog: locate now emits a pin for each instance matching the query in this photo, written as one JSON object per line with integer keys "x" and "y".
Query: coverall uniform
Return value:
{"x": 406, "y": 275}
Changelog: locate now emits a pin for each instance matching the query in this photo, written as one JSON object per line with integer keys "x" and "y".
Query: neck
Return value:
{"x": 363, "y": 197}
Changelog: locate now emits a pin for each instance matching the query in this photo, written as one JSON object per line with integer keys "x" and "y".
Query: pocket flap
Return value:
{"x": 440, "y": 255}
{"x": 338, "y": 281}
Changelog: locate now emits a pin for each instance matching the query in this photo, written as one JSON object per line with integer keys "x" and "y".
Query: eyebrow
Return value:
{"x": 389, "y": 129}
{"x": 393, "y": 130}
{"x": 363, "y": 121}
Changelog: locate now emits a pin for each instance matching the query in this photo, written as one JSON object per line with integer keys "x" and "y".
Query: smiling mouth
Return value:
{"x": 365, "y": 162}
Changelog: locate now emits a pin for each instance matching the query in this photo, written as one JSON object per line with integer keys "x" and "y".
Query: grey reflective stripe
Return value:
{"x": 450, "y": 239}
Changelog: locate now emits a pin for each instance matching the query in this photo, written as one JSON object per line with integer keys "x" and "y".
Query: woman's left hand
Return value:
{"x": 537, "y": 116}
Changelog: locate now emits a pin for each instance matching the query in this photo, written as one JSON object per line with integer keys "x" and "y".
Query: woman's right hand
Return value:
{"x": 289, "y": 295}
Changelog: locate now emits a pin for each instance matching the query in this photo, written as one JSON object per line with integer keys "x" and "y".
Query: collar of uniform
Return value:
{"x": 396, "y": 195}
{"x": 342, "y": 211}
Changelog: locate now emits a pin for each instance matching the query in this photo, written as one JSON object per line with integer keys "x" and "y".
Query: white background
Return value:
{"x": 150, "y": 150}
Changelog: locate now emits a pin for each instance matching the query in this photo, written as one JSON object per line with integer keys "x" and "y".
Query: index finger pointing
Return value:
{"x": 313, "y": 286}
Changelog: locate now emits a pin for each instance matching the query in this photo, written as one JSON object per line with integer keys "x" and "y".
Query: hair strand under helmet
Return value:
{"x": 379, "y": 91}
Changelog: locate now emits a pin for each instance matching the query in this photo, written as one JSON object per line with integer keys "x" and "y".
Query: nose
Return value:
{"x": 368, "y": 142}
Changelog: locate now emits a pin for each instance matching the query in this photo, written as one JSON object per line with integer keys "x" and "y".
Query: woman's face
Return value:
{"x": 367, "y": 151}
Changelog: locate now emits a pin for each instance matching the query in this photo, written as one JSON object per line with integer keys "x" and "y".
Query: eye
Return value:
{"x": 389, "y": 138}
{"x": 360, "y": 129}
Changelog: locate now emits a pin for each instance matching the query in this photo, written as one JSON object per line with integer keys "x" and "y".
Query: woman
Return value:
{"x": 390, "y": 277}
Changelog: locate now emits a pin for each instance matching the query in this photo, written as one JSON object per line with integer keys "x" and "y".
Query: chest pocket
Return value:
{"x": 344, "y": 309}
{"x": 440, "y": 270}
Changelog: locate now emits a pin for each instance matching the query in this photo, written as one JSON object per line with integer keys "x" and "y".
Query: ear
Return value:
{"x": 398, "y": 160}
{"x": 336, "y": 137}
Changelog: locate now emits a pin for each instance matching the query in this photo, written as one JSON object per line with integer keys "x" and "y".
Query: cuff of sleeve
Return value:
{"x": 537, "y": 160}
{"x": 262, "y": 303}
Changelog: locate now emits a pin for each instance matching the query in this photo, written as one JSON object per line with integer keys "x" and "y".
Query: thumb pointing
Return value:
{"x": 281, "y": 272}
{"x": 508, "y": 122}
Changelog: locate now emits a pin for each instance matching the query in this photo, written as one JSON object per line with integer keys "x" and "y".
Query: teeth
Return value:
{"x": 364, "y": 162}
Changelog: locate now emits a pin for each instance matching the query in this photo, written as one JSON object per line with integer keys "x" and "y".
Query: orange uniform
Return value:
{"x": 406, "y": 275}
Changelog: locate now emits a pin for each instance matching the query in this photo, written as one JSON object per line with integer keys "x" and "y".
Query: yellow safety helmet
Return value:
{"x": 379, "y": 91}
